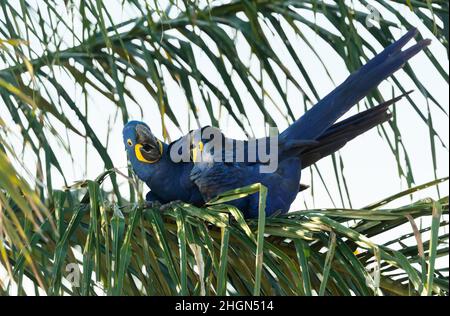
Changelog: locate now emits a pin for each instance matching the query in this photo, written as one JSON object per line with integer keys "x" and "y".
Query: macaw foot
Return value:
{"x": 169, "y": 205}
{"x": 152, "y": 204}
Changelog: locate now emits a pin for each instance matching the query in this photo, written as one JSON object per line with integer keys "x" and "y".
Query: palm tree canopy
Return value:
{"x": 66, "y": 66}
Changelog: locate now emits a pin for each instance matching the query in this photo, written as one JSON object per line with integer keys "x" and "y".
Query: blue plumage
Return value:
{"x": 312, "y": 137}
{"x": 167, "y": 180}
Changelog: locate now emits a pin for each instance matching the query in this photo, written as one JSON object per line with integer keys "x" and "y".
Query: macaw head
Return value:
{"x": 142, "y": 146}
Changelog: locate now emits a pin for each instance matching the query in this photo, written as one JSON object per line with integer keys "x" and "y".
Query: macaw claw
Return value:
{"x": 169, "y": 205}
{"x": 152, "y": 204}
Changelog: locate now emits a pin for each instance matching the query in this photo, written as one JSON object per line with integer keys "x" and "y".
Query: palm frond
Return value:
{"x": 101, "y": 248}
{"x": 60, "y": 61}
{"x": 103, "y": 56}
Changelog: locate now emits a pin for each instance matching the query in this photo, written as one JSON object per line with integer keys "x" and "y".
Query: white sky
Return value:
{"x": 370, "y": 167}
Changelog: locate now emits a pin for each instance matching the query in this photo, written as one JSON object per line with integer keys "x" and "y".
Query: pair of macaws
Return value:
{"x": 314, "y": 136}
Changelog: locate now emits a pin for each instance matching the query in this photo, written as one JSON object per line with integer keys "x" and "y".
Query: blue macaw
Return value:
{"x": 313, "y": 136}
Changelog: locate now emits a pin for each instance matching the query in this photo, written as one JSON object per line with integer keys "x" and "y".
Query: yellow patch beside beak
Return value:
{"x": 140, "y": 157}
{"x": 195, "y": 151}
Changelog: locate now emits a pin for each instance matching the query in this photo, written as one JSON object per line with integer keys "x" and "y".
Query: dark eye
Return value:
{"x": 129, "y": 142}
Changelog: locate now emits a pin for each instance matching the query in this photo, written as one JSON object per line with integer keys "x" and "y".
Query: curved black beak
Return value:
{"x": 147, "y": 144}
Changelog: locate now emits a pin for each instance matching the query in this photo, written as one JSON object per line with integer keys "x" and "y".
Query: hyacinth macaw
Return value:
{"x": 313, "y": 136}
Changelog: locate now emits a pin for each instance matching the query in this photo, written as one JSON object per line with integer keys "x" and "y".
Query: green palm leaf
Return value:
{"x": 61, "y": 61}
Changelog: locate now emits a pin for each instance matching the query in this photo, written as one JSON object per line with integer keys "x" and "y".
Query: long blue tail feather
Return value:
{"x": 342, "y": 132}
{"x": 328, "y": 110}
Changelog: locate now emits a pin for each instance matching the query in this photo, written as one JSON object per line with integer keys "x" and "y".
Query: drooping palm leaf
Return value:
{"x": 46, "y": 46}
{"x": 100, "y": 53}
{"x": 213, "y": 250}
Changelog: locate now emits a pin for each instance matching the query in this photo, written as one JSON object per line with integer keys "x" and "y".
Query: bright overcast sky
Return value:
{"x": 370, "y": 167}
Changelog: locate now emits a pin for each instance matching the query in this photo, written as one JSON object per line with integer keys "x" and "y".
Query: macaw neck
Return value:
{"x": 165, "y": 163}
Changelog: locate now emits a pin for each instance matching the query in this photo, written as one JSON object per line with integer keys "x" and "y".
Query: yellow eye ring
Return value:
{"x": 129, "y": 142}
